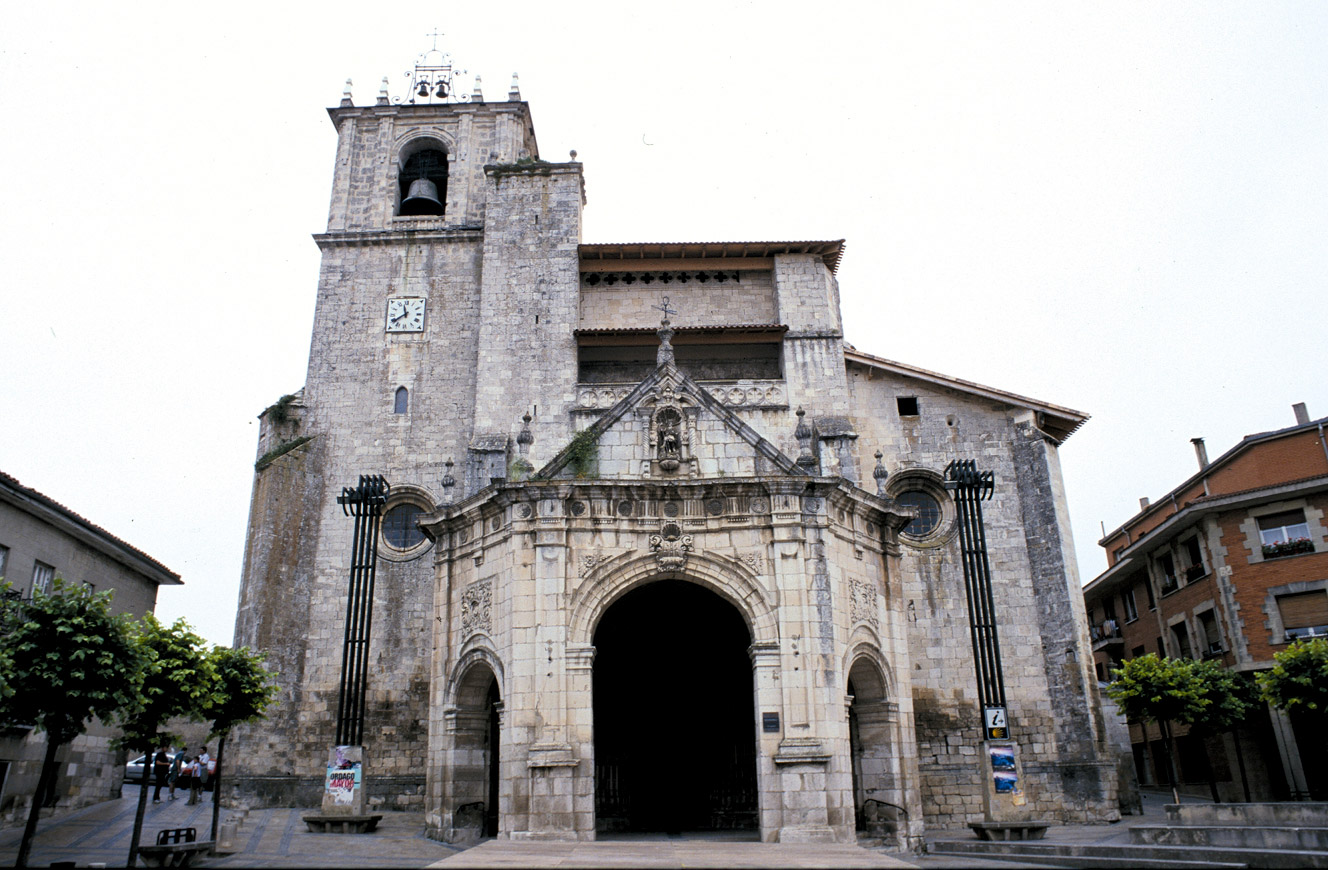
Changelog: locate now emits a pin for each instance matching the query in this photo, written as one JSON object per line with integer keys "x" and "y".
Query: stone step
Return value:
{"x": 1107, "y": 855}
{"x": 1239, "y": 836}
{"x": 1276, "y": 814}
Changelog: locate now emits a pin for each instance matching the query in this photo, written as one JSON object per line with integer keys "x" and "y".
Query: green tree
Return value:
{"x": 1231, "y": 697}
{"x": 243, "y": 691}
{"x": 1162, "y": 690}
{"x": 1298, "y": 681}
{"x": 64, "y": 659}
{"x": 178, "y": 681}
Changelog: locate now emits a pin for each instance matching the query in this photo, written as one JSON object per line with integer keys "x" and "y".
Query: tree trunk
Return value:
{"x": 216, "y": 790}
{"x": 44, "y": 781}
{"x": 1171, "y": 759}
{"x": 1240, "y": 761}
{"x": 142, "y": 808}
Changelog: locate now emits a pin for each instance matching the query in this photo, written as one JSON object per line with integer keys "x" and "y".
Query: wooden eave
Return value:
{"x": 660, "y": 256}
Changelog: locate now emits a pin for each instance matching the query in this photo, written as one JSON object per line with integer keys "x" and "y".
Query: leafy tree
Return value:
{"x": 243, "y": 691}
{"x": 1231, "y": 697}
{"x": 178, "y": 681}
{"x": 64, "y": 659}
{"x": 1298, "y": 681}
{"x": 1162, "y": 690}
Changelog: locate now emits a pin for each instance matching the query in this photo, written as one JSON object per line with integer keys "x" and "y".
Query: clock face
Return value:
{"x": 405, "y": 314}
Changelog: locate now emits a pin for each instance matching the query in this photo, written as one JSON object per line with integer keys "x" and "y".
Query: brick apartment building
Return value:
{"x": 1232, "y": 565}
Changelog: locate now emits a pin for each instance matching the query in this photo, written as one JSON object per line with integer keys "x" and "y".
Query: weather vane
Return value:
{"x": 432, "y": 79}
{"x": 665, "y": 308}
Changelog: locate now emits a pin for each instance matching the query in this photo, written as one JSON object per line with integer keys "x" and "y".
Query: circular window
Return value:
{"x": 929, "y": 513}
{"x": 399, "y": 529}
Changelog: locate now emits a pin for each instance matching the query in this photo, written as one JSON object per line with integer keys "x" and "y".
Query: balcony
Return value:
{"x": 1105, "y": 635}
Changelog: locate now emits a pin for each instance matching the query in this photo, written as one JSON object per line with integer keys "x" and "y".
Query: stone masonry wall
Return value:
{"x": 1034, "y": 606}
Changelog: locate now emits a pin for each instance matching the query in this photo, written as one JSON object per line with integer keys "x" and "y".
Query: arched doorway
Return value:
{"x": 473, "y": 769}
{"x": 675, "y": 726}
{"x": 878, "y": 798}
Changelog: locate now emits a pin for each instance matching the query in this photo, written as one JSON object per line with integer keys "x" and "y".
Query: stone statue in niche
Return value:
{"x": 669, "y": 423}
{"x": 670, "y": 438}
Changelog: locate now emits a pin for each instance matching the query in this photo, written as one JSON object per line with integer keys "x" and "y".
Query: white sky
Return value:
{"x": 1118, "y": 207}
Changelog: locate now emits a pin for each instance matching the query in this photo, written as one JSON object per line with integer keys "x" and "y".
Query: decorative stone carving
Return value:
{"x": 671, "y": 547}
{"x": 590, "y": 560}
{"x": 862, "y": 603}
{"x": 744, "y": 395}
{"x": 754, "y": 561}
{"x": 476, "y": 606}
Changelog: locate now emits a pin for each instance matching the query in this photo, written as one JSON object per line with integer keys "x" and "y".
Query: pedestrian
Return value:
{"x": 161, "y": 766}
{"x": 173, "y": 776}
{"x": 192, "y": 767}
{"x": 203, "y": 761}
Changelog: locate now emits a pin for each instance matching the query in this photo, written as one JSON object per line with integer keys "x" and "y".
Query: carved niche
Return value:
{"x": 670, "y": 434}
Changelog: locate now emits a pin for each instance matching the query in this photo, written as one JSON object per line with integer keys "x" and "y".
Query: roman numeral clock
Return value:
{"x": 405, "y": 314}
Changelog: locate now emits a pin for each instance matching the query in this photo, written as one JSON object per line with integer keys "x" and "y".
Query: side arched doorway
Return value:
{"x": 472, "y": 774}
{"x": 878, "y": 797}
{"x": 675, "y": 723}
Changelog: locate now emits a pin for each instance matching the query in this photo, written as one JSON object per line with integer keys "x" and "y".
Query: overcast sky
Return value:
{"x": 1118, "y": 207}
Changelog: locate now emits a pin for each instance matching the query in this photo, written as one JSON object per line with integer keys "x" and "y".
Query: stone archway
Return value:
{"x": 471, "y": 767}
{"x": 879, "y": 799}
{"x": 674, "y": 713}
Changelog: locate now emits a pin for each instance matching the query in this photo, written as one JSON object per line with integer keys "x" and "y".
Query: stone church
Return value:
{"x": 659, "y": 550}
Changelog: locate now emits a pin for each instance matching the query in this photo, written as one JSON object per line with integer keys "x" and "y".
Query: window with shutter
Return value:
{"x": 1304, "y": 614}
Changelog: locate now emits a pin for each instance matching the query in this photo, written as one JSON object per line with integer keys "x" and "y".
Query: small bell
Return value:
{"x": 422, "y": 199}
{"x": 423, "y": 90}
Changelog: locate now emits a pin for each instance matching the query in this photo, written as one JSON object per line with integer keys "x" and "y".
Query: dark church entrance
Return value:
{"x": 675, "y": 727}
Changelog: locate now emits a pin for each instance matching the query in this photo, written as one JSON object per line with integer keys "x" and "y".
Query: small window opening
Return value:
{"x": 908, "y": 405}
{"x": 402, "y": 401}
{"x": 423, "y": 182}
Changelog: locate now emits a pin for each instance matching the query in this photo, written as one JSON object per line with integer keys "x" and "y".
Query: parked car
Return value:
{"x": 134, "y": 769}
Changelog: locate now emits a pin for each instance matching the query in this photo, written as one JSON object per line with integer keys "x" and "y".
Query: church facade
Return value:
{"x": 660, "y": 551}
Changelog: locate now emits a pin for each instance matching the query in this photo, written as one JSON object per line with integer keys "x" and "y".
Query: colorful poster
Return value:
{"x": 1002, "y": 757}
{"x": 343, "y": 775}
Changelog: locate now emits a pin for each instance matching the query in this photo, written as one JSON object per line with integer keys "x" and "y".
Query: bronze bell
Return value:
{"x": 422, "y": 199}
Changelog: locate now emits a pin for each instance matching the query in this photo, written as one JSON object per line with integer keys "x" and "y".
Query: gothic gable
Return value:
{"x": 668, "y": 427}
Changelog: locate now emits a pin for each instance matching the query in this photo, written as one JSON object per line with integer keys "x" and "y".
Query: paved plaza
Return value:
{"x": 100, "y": 834}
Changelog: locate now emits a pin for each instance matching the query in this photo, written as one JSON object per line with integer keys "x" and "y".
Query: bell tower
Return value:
{"x": 447, "y": 298}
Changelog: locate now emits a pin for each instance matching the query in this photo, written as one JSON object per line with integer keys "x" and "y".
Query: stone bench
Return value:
{"x": 1009, "y": 830}
{"x": 342, "y": 824}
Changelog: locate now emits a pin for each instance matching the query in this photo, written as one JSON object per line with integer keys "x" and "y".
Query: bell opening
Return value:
{"x": 423, "y": 183}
